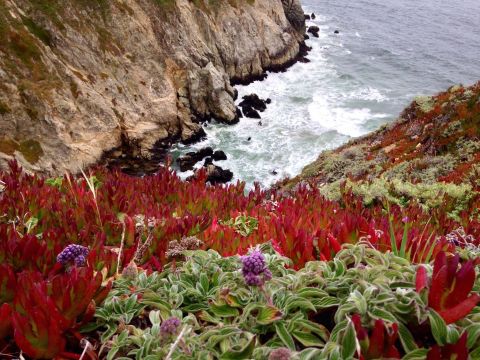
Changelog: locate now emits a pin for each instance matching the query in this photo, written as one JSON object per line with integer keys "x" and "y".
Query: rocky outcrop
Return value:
{"x": 435, "y": 141}
{"x": 217, "y": 175}
{"x": 294, "y": 14}
{"x": 314, "y": 30}
{"x": 252, "y": 104}
{"x": 78, "y": 78}
{"x": 188, "y": 161}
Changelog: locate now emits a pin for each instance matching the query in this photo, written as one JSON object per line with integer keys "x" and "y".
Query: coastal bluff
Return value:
{"x": 80, "y": 78}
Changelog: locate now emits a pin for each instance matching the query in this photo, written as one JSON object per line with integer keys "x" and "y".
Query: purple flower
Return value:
{"x": 80, "y": 261}
{"x": 170, "y": 327}
{"x": 73, "y": 253}
{"x": 254, "y": 269}
{"x": 280, "y": 354}
{"x": 405, "y": 219}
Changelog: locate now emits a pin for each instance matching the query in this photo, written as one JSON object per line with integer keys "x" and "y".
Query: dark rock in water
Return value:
{"x": 208, "y": 161}
{"x": 313, "y": 16}
{"x": 304, "y": 49}
{"x": 336, "y": 32}
{"x": 202, "y": 153}
{"x": 249, "y": 138}
{"x": 253, "y": 101}
{"x": 268, "y": 101}
{"x": 306, "y": 37}
{"x": 274, "y": 172}
{"x": 217, "y": 175}
{"x": 252, "y": 104}
{"x": 188, "y": 161}
{"x": 307, "y": 17}
{"x": 219, "y": 155}
{"x": 235, "y": 94}
{"x": 260, "y": 123}
{"x": 314, "y": 30}
{"x": 196, "y": 137}
{"x": 239, "y": 113}
{"x": 251, "y": 113}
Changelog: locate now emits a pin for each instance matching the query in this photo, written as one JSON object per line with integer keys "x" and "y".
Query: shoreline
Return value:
{"x": 128, "y": 156}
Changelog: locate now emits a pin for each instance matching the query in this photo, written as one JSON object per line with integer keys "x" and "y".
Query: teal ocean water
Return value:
{"x": 386, "y": 53}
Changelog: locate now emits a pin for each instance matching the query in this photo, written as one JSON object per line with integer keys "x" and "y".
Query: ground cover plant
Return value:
{"x": 104, "y": 265}
{"x": 430, "y": 150}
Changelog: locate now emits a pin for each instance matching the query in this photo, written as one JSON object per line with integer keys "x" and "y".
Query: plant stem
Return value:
{"x": 175, "y": 344}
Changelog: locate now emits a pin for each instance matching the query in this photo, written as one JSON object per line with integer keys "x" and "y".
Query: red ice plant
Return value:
{"x": 450, "y": 287}
{"x": 457, "y": 351}
{"x": 379, "y": 342}
{"x": 45, "y": 311}
{"x": 303, "y": 227}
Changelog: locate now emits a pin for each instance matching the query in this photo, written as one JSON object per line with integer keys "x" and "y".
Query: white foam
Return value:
{"x": 368, "y": 93}
{"x": 310, "y": 111}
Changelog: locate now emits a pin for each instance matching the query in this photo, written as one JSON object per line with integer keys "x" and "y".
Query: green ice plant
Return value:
{"x": 405, "y": 251}
{"x": 327, "y": 310}
{"x": 244, "y": 225}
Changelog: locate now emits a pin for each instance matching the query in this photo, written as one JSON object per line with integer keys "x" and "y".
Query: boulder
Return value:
{"x": 253, "y": 101}
{"x": 313, "y": 16}
{"x": 336, "y": 32}
{"x": 219, "y": 155}
{"x": 191, "y": 132}
{"x": 211, "y": 95}
{"x": 307, "y": 17}
{"x": 239, "y": 113}
{"x": 217, "y": 175}
{"x": 188, "y": 161}
{"x": 251, "y": 113}
{"x": 304, "y": 50}
{"x": 208, "y": 161}
{"x": 252, "y": 104}
{"x": 314, "y": 30}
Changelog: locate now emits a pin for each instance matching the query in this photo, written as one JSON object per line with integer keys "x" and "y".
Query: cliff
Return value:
{"x": 78, "y": 78}
{"x": 430, "y": 152}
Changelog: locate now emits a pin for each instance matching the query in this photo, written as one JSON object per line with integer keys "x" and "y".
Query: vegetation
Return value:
{"x": 373, "y": 252}
{"x": 434, "y": 142}
{"x": 155, "y": 272}
{"x": 314, "y": 313}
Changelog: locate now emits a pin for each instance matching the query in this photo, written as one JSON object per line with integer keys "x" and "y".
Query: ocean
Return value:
{"x": 386, "y": 53}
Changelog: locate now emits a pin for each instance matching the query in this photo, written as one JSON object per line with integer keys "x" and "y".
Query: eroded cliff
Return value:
{"x": 81, "y": 77}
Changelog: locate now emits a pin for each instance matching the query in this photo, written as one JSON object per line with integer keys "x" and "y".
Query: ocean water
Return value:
{"x": 387, "y": 52}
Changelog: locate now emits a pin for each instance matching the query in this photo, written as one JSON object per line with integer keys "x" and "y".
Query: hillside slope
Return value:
{"x": 80, "y": 77}
{"x": 432, "y": 149}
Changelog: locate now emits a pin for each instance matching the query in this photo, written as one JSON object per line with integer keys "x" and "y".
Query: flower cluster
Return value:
{"x": 130, "y": 271}
{"x": 254, "y": 270}
{"x": 176, "y": 248}
{"x": 73, "y": 253}
{"x": 169, "y": 327}
{"x": 280, "y": 354}
{"x": 459, "y": 237}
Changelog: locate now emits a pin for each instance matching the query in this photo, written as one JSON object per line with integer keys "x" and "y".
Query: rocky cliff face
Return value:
{"x": 78, "y": 77}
